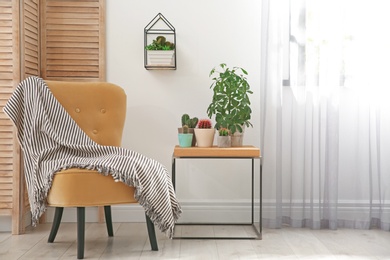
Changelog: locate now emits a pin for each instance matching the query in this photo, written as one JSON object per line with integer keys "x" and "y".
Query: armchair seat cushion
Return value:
{"x": 82, "y": 188}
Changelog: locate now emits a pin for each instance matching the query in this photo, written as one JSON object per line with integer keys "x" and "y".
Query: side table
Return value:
{"x": 244, "y": 152}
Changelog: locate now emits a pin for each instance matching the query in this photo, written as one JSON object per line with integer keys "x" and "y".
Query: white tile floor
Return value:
{"x": 130, "y": 241}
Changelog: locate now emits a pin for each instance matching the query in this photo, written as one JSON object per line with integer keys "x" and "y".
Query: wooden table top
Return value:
{"x": 246, "y": 151}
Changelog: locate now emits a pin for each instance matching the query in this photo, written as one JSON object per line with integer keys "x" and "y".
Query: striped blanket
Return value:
{"x": 50, "y": 147}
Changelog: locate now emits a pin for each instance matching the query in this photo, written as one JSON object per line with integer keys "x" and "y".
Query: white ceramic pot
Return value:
{"x": 204, "y": 136}
{"x": 160, "y": 58}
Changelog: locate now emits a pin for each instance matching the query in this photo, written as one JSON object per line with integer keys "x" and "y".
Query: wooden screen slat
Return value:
{"x": 30, "y": 45}
{"x": 73, "y": 45}
{"x": 7, "y": 39}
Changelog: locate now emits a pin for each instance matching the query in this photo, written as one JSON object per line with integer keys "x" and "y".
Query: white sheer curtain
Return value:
{"x": 325, "y": 139}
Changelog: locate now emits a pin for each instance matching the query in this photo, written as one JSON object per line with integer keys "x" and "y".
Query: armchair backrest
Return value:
{"x": 99, "y": 108}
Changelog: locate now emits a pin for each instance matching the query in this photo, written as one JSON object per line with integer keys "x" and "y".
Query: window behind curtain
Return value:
{"x": 338, "y": 43}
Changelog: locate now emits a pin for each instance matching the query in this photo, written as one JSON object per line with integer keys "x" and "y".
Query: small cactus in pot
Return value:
{"x": 185, "y": 129}
{"x": 223, "y": 131}
{"x": 187, "y": 120}
{"x": 185, "y": 138}
{"x": 224, "y": 139}
{"x": 205, "y": 133}
{"x": 190, "y": 123}
{"x": 204, "y": 123}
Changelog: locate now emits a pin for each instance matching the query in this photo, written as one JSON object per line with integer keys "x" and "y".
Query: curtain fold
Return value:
{"x": 325, "y": 146}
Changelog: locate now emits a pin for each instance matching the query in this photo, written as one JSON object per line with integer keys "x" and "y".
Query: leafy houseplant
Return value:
{"x": 191, "y": 123}
{"x": 204, "y": 133}
{"x": 230, "y": 103}
{"x": 160, "y": 52}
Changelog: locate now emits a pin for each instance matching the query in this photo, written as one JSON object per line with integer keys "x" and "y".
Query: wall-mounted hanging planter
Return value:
{"x": 159, "y": 44}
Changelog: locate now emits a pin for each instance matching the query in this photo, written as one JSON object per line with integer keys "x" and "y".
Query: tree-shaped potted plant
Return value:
{"x": 230, "y": 103}
{"x": 191, "y": 123}
{"x": 224, "y": 139}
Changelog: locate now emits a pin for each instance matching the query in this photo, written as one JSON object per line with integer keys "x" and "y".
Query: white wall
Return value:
{"x": 208, "y": 33}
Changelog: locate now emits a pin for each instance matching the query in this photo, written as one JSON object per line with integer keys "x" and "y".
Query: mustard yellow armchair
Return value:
{"x": 99, "y": 109}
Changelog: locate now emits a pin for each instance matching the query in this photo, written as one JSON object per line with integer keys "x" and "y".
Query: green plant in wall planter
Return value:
{"x": 161, "y": 44}
{"x": 191, "y": 123}
{"x": 230, "y": 103}
{"x": 160, "y": 52}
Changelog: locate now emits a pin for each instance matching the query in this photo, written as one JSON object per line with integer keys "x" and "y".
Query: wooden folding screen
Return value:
{"x": 73, "y": 40}
{"x": 61, "y": 40}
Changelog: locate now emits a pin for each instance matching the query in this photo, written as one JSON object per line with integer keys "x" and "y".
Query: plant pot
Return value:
{"x": 224, "y": 141}
{"x": 160, "y": 58}
{"x": 238, "y": 138}
{"x": 190, "y": 131}
{"x": 204, "y": 136}
{"x": 185, "y": 140}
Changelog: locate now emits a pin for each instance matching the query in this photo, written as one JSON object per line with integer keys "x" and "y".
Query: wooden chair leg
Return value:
{"x": 56, "y": 224}
{"x": 151, "y": 233}
{"x": 80, "y": 232}
{"x": 107, "y": 214}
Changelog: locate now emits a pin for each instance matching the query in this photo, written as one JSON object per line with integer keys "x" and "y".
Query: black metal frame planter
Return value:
{"x": 159, "y": 44}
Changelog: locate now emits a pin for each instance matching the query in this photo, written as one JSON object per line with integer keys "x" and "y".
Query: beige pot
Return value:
{"x": 204, "y": 136}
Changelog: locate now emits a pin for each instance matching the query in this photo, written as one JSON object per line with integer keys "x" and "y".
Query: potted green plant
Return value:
{"x": 160, "y": 52}
{"x": 204, "y": 133}
{"x": 230, "y": 103}
{"x": 191, "y": 123}
{"x": 185, "y": 138}
{"x": 224, "y": 139}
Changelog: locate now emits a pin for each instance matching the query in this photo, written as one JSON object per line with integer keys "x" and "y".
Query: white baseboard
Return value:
{"x": 192, "y": 212}
{"x": 5, "y": 223}
{"x": 224, "y": 212}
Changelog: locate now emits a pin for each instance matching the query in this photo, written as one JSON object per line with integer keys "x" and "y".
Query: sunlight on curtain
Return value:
{"x": 326, "y": 137}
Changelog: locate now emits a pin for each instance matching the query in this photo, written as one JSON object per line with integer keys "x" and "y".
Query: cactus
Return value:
{"x": 223, "y": 131}
{"x": 187, "y": 120}
{"x": 204, "y": 123}
{"x": 185, "y": 129}
{"x": 160, "y": 43}
{"x": 160, "y": 40}
{"x": 184, "y": 119}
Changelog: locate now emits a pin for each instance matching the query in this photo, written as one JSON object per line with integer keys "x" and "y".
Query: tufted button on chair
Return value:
{"x": 99, "y": 109}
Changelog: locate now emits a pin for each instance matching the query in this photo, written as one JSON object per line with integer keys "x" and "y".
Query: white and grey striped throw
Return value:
{"x": 52, "y": 141}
